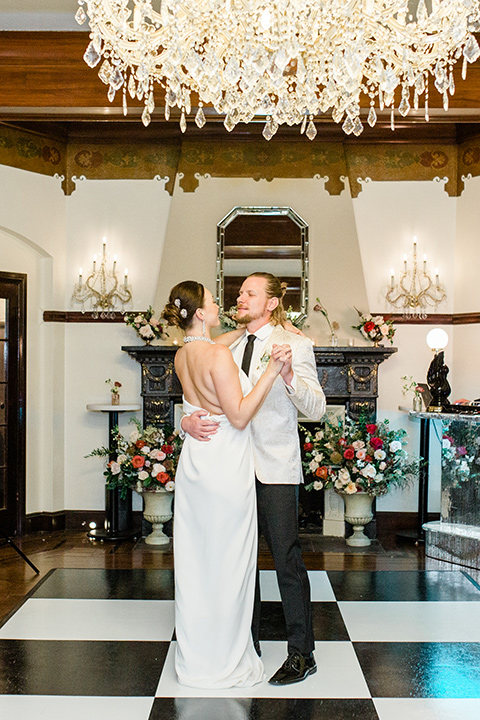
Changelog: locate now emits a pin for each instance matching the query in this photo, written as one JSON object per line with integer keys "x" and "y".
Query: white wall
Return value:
{"x": 162, "y": 240}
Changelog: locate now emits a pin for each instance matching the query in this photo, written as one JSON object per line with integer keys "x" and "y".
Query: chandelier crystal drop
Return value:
{"x": 285, "y": 60}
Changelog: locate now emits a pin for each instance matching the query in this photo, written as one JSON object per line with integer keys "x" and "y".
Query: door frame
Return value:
{"x": 16, "y": 399}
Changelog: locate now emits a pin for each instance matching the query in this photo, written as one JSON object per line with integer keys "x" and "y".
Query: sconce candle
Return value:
{"x": 80, "y": 276}
{"x": 125, "y": 281}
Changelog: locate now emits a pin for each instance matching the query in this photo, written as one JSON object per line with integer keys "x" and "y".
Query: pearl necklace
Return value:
{"x": 191, "y": 338}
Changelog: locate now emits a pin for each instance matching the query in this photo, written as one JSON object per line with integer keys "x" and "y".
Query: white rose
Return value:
{"x": 157, "y": 468}
{"x": 319, "y": 435}
{"x": 134, "y": 436}
{"x": 317, "y": 485}
{"x": 114, "y": 467}
{"x": 142, "y": 475}
{"x": 122, "y": 458}
{"x": 170, "y": 486}
{"x": 146, "y": 331}
{"x": 382, "y": 465}
{"x": 369, "y": 471}
{"x": 358, "y": 444}
{"x": 145, "y": 450}
{"x": 446, "y": 444}
{"x": 313, "y": 466}
{"x": 350, "y": 488}
{"x": 361, "y": 454}
{"x": 379, "y": 455}
{"x": 384, "y": 329}
{"x": 344, "y": 475}
{"x": 395, "y": 446}
{"x": 318, "y": 458}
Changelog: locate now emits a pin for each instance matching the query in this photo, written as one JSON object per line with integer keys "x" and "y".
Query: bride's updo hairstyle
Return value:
{"x": 185, "y": 298}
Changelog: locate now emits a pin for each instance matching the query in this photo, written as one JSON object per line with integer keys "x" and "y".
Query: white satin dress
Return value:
{"x": 215, "y": 552}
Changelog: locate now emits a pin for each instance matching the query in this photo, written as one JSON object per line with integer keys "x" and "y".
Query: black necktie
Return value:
{"x": 247, "y": 354}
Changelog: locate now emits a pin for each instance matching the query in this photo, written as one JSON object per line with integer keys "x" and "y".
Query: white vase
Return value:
{"x": 157, "y": 510}
{"x": 358, "y": 512}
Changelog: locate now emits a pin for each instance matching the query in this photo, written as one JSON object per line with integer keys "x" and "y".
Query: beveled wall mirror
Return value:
{"x": 266, "y": 239}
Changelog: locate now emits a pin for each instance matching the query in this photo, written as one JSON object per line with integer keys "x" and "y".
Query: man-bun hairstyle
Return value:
{"x": 185, "y": 298}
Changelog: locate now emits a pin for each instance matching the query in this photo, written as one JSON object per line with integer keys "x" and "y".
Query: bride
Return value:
{"x": 215, "y": 527}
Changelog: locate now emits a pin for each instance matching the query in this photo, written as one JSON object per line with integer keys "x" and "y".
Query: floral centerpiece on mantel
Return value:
{"x": 375, "y": 328}
{"x": 146, "y": 462}
{"x": 146, "y": 325}
{"x": 357, "y": 456}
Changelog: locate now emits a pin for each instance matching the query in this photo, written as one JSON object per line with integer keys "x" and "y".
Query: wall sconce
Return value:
{"x": 437, "y": 340}
{"x": 103, "y": 289}
{"x": 416, "y": 290}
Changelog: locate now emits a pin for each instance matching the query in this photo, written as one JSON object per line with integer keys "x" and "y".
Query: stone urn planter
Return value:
{"x": 157, "y": 510}
{"x": 358, "y": 512}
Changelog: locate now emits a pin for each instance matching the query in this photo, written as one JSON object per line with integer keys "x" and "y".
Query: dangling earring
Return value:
{"x": 204, "y": 333}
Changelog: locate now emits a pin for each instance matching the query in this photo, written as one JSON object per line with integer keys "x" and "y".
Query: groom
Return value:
{"x": 276, "y": 450}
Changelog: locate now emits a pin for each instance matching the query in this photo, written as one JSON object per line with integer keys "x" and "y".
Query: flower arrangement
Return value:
{"x": 334, "y": 326}
{"x": 357, "y": 456}
{"x": 145, "y": 325}
{"x": 375, "y": 328}
{"x": 227, "y": 318}
{"x": 146, "y": 461}
{"x": 460, "y": 453}
{"x": 114, "y": 386}
{"x": 409, "y": 385}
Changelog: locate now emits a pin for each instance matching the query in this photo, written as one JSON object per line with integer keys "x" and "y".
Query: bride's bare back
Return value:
{"x": 209, "y": 378}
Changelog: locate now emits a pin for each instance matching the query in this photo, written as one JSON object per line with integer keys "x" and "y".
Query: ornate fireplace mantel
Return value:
{"x": 348, "y": 375}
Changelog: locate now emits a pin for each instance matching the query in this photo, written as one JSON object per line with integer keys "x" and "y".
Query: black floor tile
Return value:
{"x": 421, "y": 670}
{"x": 327, "y": 622}
{"x": 404, "y": 586}
{"x": 261, "y": 709}
{"x": 54, "y": 667}
{"x": 106, "y": 584}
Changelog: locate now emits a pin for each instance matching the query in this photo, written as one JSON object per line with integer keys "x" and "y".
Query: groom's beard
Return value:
{"x": 250, "y": 317}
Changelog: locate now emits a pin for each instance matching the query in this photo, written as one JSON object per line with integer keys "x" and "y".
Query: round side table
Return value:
{"x": 118, "y": 524}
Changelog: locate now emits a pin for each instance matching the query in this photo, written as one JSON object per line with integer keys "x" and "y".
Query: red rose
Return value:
{"x": 369, "y": 326}
{"x": 349, "y": 453}
{"x": 368, "y": 458}
{"x": 138, "y": 461}
{"x": 322, "y": 472}
{"x": 140, "y": 443}
{"x": 167, "y": 449}
{"x": 376, "y": 443}
{"x": 163, "y": 478}
{"x": 308, "y": 446}
{"x": 371, "y": 429}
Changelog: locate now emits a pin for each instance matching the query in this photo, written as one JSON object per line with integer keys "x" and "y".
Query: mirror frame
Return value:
{"x": 273, "y": 211}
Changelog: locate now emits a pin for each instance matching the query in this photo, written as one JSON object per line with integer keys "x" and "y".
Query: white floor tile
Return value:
{"x": 57, "y": 707}
{"x": 411, "y": 621}
{"x": 54, "y": 619}
{"x": 338, "y": 676}
{"x": 319, "y": 583}
{"x": 427, "y": 709}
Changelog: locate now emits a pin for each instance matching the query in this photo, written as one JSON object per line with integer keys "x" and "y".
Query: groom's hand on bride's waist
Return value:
{"x": 199, "y": 425}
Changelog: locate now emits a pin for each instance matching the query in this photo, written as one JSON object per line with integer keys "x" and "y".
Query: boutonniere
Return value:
{"x": 262, "y": 365}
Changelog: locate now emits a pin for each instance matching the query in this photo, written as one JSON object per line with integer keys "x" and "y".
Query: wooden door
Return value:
{"x": 13, "y": 291}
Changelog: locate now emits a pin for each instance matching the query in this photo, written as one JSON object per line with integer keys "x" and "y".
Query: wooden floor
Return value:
{"x": 73, "y": 549}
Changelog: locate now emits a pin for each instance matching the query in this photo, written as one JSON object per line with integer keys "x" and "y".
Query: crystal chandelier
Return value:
{"x": 103, "y": 289}
{"x": 416, "y": 290}
{"x": 286, "y": 60}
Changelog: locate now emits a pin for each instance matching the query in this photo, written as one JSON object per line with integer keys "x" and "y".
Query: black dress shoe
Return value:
{"x": 258, "y": 650}
{"x": 295, "y": 668}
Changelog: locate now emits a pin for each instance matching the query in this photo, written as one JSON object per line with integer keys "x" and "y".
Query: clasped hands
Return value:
{"x": 202, "y": 428}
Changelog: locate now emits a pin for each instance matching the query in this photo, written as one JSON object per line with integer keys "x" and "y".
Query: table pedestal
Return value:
{"x": 118, "y": 524}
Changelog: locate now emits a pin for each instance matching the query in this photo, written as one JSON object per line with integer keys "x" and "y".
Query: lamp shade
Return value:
{"x": 437, "y": 339}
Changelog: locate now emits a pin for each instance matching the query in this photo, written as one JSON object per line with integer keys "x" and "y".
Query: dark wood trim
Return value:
{"x": 66, "y": 316}
{"x": 395, "y": 522}
{"x": 471, "y": 318}
{"x": 47, "y": 522}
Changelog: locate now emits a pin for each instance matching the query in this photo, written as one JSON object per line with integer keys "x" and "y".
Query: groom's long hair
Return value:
{"x": 274, "y": 288}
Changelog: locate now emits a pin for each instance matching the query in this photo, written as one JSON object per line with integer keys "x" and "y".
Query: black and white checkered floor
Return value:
{"x": 389, "y": 645}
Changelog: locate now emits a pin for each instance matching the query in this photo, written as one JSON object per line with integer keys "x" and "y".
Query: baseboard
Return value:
{"x": 68, "y": 520}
